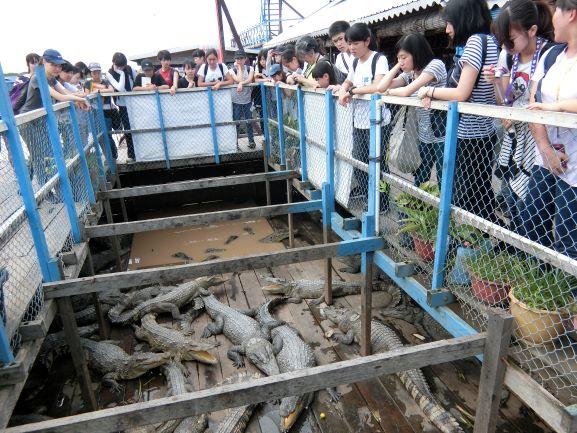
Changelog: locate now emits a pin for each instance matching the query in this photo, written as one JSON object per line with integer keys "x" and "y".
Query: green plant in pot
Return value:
{"x": 492, "y": 274}
{"x": 541, "y": 301}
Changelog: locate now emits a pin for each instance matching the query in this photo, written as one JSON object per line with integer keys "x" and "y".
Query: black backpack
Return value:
{"x": 548, "y": 62}
{"x": 454, "y": 73}
{"x": 18, "y": 94}
{"x": 376, "y": 58}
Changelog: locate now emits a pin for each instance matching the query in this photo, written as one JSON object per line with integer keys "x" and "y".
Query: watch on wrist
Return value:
{"x": 350, "y": 92}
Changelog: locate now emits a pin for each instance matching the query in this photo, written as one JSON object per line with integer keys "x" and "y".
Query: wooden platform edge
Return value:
{"x": 264, "y": 389}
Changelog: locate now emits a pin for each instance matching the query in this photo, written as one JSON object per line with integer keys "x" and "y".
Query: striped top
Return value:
{"x": 472, "y": 126}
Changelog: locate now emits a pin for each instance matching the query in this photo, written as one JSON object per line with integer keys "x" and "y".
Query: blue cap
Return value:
{"x": 274, "y": 69}
{"x": 53, "y": 56}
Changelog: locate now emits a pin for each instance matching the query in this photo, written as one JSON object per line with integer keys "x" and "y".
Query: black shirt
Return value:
{"x": 183, "y": 82}
{"x": 156, "y": 79}
{"x": 33, "y": 98}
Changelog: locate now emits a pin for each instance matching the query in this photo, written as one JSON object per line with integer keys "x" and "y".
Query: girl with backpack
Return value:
{"x": 416, "y": 68}
{"x": 550, "y": 212}
{"x": 469, "y": 25}
{"x": 212, "y": 73}
{"x": 524, "y": 28}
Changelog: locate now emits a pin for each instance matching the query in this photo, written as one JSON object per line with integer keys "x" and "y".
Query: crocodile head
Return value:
{"x": 200, "y": 352}
{"x": 206, "y": 282}
{"x": 291, "y": 408}
{"x": 277, "y": 286}
{"x": 260, "y": 352}
{"x": 140, "y": 362}
{"x": 336, "y": 314}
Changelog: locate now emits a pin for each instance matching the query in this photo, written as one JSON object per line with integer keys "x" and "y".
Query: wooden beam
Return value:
{"x": 39, "y": 328}
{"x": 190, "y": 185}
{"x": 499, "y": 328}
{"x": 13, "y": 373}
{"x": 264, "y": 389}
{"x": 198, "y": 219}
{"x": 172, "y": 274}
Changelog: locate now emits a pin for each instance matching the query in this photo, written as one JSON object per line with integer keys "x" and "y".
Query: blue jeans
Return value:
{"x": 242, "y": 112}
{"x": 430, "y": 153}
{"x": 550, "y": 212}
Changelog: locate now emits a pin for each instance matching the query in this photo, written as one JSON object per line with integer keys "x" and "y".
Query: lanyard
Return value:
{"x": 509, "y": 98}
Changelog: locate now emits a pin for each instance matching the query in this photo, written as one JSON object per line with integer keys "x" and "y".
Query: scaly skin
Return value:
{"x": 384, "y": 339}
{"x": 115, "y": 364}
{"x": 314, "y": 289}
{"x": 56, "y": 344}
{"x": 168, "y": 302}
{"x": 247, "y": 335}
{"x": 132, "y": 299}
{"x": 174, "y": 342}
{"x": 237, "y": 419}
{"x": 292, "y": 353}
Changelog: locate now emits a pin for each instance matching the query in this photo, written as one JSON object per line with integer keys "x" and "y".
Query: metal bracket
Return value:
{"x": 439, "y": 298}
{"x": 404, "y": 270}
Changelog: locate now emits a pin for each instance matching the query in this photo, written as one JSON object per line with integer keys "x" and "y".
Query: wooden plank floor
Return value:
{"x": 375, "y": 406}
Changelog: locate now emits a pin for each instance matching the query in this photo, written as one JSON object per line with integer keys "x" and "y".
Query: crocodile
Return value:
{"x": 169, "y": 340}
{"x": 236, "y": 420}
{"x": 115, "y": 364}
{"x": 384, "y": 339}
{"x": 168, "y": 302}
{"x": 214, "y": 250}
{"x": 314, "y": 289}
{"x": 246, "y": 334}
{"x": 134, "y": 298}
{"x": 278, "y": 236}
{"x": 230, "y": 239}
{"x": 55, "y": 344}
{"x": 352, "y": 264}
{"x": 176, "y": 379}
{"x": 292, "y": 353}
{"x": 249, "y": 230}
{"x": 182, "y": 256}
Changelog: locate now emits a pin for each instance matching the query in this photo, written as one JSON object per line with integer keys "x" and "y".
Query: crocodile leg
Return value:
{"x": 334, "y": 394}
{"x": 251, "y": 312}
{"x": 266, "y": 328}
{"x": 347, "y": 338}
{"x": 277, "y": 344}
{"x": 167, "y": 307}
{"x": 235, "y": 354}
{"x": 110, "y": 380}
{"x": 214, "y": 328}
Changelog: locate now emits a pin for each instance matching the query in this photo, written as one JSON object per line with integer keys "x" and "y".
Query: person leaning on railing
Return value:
{"x": 242, "y": 75}
{"x": 416, "y": 68}
{"x": 98, "y": 84}
{"x": 550, "y": 212}
{"x": 212, "y": 73}
{"x": 469, "y": 24}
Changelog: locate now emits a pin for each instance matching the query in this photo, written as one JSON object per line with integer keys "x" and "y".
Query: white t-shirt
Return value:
{"x": 212, "y": 75}
{"x": 435, "y": 68}
{"x": 559, "y": 85}
{"x": 344, "y": 62}
{"x": 521, "y": 80}
{"x": 362, "y": 76}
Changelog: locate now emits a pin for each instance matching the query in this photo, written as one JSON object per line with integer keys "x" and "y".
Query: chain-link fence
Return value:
{"x": 153, "y": 129}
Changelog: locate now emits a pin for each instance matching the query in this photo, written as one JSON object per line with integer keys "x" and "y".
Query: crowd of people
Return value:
{"x": 524, "y": 58}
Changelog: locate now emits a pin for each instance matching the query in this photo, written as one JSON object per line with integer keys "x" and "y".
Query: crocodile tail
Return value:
{"x": 437, "y": 414}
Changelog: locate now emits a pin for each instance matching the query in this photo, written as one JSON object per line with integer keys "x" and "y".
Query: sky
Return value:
{"x": 93, "y": 30}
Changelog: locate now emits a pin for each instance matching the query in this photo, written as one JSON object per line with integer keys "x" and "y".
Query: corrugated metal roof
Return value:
{"x": 368, "y": 11}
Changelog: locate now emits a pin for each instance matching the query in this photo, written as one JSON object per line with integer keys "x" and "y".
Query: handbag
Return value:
{"x": 404, "y": 142}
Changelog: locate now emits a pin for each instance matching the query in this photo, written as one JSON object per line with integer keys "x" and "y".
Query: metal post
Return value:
{"x": 6, "y": 355}
{"x": 449, "y": 157}
{"x": 162, "y": 130}
{"x": 96, "y": 144}
{"x": 213, "y": 124}
{"x": 266, "y": 146}
{"x": 280, "y": 120}
{"x": 330, "y": 139}
{"x": 82, "y": 155}
{"x": 54, "y": 136}
{"x": 327, "y": 216}
{"x": 289, "y": 199}
{"x": 302, "y": 134}
{"x": 106, "y": 139}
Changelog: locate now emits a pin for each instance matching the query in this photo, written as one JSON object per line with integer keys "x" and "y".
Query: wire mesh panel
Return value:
{"x": 316, "y": 138}
{"x": 292, "y": 139}
{"x": 88, "y": 144}
{"x": 343, "y": 153}
{"x": 274, "y": 155}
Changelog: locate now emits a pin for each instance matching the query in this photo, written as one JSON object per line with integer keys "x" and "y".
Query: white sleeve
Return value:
{"x": 351, "y": 74}
{"x": 201, "y": 70}
{"x": 502, "y": 62}
{"x": 382, "y": 65}
{"x": 339, "y": 63}
{"x": 225, "y": 69}
{"x": 540, "y": 69}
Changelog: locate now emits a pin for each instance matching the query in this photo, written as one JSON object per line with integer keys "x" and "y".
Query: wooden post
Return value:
{"x": 115, "y": 243}
{"x": 499, "y": 327}
{"x": 78, "y": 358}
{"x": 289, "y": 199}
{"x": 267, "y": 183}
{"x": 103, "y": 328}
{"x": 327, "y": 239}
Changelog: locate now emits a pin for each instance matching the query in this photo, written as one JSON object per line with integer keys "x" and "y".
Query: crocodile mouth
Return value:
{"x": 288, "y": 421}
{"x": 204, "y": 356}
{"x": 273, "y": 289}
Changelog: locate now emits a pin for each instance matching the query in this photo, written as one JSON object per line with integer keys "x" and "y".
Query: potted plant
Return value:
{"x": 419, "y": 220}
{"x": 540, "y": 302}
{"x": 491, "y": 275}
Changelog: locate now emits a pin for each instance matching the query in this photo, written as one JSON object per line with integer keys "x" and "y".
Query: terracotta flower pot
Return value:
{"x": 534, "y": 325}
{"x": 490, "y": 292}
{"x": 424, "y": 249}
